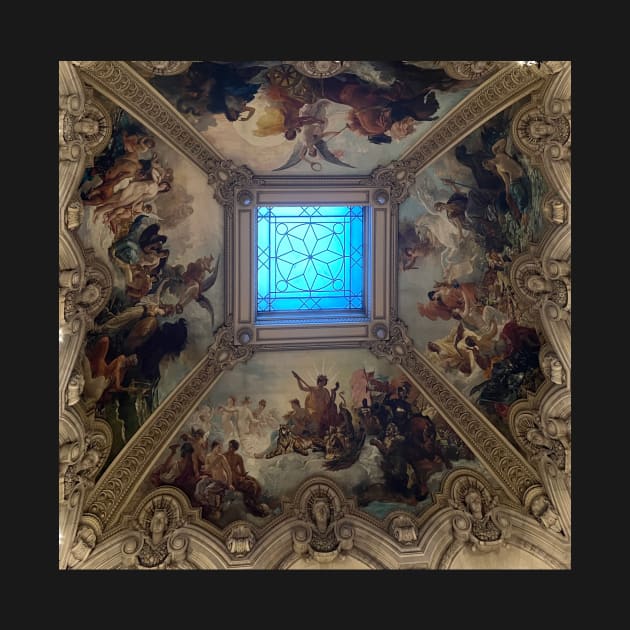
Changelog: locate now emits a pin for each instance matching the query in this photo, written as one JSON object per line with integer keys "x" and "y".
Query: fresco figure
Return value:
{"x": 319, "y": 402}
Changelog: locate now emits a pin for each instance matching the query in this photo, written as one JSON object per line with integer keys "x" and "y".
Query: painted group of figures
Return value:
{"x": 143, "y": 323}
{"x": 412, "y": 446}
{"x": 486, "y": 226}
{"x": 296, "y": 105}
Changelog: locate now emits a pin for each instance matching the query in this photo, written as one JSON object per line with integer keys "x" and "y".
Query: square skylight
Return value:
{"x": 310, "y": 267}
{"x": 310, "y": 258}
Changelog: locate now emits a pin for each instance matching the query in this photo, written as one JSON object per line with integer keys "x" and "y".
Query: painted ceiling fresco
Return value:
{"x": 151, "y": 217}
{"x": 270, "y": 424}
{"x": 276, "y": 120}
{"x": 468, "y": 215}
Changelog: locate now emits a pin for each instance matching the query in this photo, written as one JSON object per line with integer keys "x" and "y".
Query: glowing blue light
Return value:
{"x": 310, "y": 258}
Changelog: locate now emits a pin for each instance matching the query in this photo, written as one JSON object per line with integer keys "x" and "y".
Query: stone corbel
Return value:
{"x": 552, "y": 366}
{"x": 82, "y": 546}
{"x": 240, "y": 539}
{"x": 404, "y": 530}
{"x": 539, "y": 506}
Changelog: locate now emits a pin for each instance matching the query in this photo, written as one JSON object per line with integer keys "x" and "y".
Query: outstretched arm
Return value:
{"x": 301, "y": 383}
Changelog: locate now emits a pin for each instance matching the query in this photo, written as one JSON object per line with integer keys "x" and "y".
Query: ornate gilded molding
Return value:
{"x": 487, "y": 443}
{"x": 127, "y": 88}
{"x": 502, "y": 89}
{"x": 118, "y": 482}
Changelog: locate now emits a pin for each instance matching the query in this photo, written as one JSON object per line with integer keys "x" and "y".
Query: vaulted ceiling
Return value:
{"x": 444, "y": 426}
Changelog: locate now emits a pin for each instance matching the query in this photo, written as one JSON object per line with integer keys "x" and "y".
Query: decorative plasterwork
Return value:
{"x": 125, "y": 87}
{"x": 476, "y": 520}
{"x": 321, "y": 533}
{"x": 321, "y": 525}
{"x": 502, "y": 89}
{"x": 161, "y": 68}
{"x": 485, "y": 441}
{"x": 121, "y": 478}
{"x": 156, "y": 540}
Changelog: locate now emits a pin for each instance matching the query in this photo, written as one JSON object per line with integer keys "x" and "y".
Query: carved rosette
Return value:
{"x": 161, "y": 68}
{"x": 470, "y": 70}
{"x": 320, "y": 69}
{"x": 486, "y": 442}
{"x": 123, "y": 85}
{"x": 322, "y": 532}
{"x": 240, "y": 539}
{"x": 157, "y": 541}
{"x": 113, "y": 488}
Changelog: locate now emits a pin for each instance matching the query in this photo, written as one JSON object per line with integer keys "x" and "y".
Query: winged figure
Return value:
{"x": 191, "y": 283}
{"x": 312, "y": 144}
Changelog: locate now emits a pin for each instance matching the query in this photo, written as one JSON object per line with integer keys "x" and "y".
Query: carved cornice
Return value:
{"x": 120, "y": 480}
{"x": 125, "y": 87}
{"x": 487, "y": 443}
{"x": 501, "y": 90}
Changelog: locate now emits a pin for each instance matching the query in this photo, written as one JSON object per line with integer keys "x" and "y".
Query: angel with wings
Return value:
{"x": 312, "y": 144}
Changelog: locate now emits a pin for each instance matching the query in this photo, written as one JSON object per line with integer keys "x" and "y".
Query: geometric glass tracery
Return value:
{"x": 310, "y": 258}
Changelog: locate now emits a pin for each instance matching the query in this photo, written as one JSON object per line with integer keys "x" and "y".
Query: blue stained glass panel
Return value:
{"x": 310, "y": 258}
